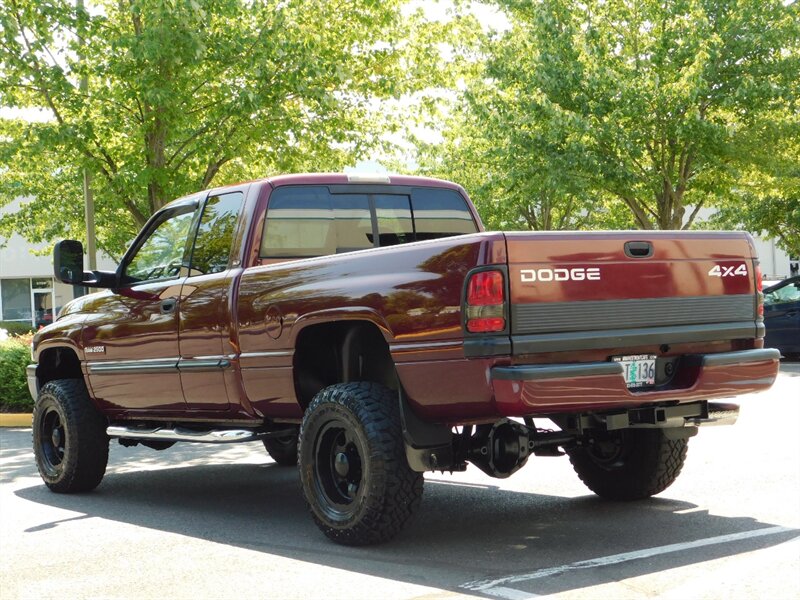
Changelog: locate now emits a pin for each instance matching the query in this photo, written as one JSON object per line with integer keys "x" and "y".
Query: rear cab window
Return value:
{"x": 316, "y": 220}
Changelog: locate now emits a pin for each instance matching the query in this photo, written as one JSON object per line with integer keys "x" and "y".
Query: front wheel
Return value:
{"x": 630, "y": 464}
{"x": 69, "y": 437}
{"x": 353, "y": 467}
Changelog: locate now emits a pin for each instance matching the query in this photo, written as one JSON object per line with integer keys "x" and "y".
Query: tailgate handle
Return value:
{"x": 638, "y": 249}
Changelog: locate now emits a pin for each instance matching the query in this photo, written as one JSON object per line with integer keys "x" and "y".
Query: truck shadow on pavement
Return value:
{"x": 462, "y": 532}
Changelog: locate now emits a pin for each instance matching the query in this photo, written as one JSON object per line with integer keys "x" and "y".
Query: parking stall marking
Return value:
{"x": 498, "y": 587}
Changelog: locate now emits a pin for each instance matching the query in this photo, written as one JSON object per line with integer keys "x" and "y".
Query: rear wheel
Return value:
{"x": 69, "y": 437}
{"x": 283, "y": 450}
{"x": 630, "y": 464}
{"x": 353, "y": 467}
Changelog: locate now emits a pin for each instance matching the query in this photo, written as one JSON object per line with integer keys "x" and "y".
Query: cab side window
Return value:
{"x": 160, "y": 256}
{"x": 212, "y": 245}
{"x": 440, "y": 213}
{"x": 304, "y": 221}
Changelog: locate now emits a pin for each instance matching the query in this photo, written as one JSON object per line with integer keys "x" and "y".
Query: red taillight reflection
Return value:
{"x": 485, "y": 289}
{"x": 759, "y": 291}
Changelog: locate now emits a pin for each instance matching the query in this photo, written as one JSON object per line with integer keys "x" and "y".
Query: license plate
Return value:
{"x": 639, "y": 369}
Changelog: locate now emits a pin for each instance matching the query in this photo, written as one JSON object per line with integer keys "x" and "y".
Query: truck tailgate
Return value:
{"x": 585, "y": 290}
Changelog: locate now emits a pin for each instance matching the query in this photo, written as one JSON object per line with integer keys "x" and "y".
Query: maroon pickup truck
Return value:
{"x": 368, "y": 330}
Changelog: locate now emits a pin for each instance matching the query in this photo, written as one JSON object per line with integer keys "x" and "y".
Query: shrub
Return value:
{"x": 15, "y": 355}
{"x": 16, "y": 327}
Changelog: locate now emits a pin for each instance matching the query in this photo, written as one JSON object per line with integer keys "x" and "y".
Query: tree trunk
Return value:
{"x": 155, "y": 141}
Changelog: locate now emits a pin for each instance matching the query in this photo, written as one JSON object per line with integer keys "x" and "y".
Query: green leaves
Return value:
{"x": 656, "y": 107}
{"x": 185, "y": 95}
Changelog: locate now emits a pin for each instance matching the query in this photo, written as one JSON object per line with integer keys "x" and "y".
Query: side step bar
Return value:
{"x": 184, "y": 434}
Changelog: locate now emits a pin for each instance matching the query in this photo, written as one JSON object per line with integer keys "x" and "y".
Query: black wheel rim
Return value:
{"x": 338, "y": 468}
{"x": 52, "y": 440}
{"x": 284, "y": 442}
{"x": 609, "y": 452}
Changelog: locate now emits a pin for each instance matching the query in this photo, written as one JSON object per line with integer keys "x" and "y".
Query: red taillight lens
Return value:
{"x": 486, "y": 302}
{"x": 484, "y": 324}
{"x": 485, "y": 289}
{"x": 759, "y": 291}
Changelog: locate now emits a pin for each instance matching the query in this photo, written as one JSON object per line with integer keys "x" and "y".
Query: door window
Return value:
{"x": 160, "y": 256}
{"x": 212, "y": 246}
{"x": 788, "y": 293}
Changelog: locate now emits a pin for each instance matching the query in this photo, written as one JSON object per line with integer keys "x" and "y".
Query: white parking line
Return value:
{"x": 497, "y": 587}
{"x": 510, "y": 593}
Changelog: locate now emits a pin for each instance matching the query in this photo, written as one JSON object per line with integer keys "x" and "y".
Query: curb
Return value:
{"x": 15, "y": 419}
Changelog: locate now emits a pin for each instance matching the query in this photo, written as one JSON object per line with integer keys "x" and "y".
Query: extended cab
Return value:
{"x": 368, "y": 330}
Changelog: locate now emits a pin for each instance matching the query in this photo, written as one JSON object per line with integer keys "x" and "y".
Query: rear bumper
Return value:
{"x": 540, "y": 389}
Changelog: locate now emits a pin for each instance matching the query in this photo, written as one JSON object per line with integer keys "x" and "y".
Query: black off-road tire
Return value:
{"x": 283, "y": 450}
{"x": 69, "y": 437}
{"x": 631, "y": 464}
{"x": 353, "y": 468}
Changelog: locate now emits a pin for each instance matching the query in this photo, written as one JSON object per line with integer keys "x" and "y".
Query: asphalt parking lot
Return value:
{"x": 199, "y": 521}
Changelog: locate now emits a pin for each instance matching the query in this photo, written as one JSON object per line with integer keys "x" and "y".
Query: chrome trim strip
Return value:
{"x": 272, "y": 354}
{"x": 410, "y": 346}
{"x": 158, "y": 365}
{"x": 203, "y": 364}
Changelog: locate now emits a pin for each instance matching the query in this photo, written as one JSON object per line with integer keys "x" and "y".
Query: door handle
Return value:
{"x": 168, "y": 306}
{"x": 638, "y": 249}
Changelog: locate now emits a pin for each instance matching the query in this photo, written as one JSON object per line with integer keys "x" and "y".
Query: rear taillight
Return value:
{"x": 486, "y": 302}
{"x": 759, "y": 291}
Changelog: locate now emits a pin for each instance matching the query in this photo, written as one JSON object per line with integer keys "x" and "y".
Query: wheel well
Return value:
{"x": 58, "y": 363}
{"x": 339, "y": 353}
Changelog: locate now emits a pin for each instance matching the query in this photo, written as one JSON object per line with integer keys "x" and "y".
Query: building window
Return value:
{"x": 30, "y": 300}
{"x": 16, "y": 294}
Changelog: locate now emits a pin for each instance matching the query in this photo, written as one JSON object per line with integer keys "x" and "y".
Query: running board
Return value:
{"x": 183, "y": 434}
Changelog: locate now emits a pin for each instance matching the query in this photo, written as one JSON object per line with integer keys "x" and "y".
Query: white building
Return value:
{"x": 28, "y": 291}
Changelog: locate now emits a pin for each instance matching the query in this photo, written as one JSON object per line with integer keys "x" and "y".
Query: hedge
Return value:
{"x": 16, "y": 327}
{"x": 15, "y": 355}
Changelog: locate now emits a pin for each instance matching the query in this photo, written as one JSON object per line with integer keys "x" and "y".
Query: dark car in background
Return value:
{"x": 782, "y": 316}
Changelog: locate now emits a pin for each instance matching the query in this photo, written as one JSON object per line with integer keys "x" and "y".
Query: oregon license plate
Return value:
{"x": 639, "y": 369}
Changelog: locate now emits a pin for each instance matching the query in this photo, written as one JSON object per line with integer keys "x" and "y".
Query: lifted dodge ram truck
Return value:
{"x": 368, "y": 330}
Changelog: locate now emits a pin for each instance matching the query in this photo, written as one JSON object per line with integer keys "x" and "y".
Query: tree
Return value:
{"x": 185, "y": 94}
{"x": 659, "y": 106}
{"x": 768, "y": 196}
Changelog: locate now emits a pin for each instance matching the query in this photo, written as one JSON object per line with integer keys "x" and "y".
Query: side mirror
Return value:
{"x": 68, "y": 261}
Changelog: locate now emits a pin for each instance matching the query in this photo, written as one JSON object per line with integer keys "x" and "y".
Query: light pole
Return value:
{"x": 91, "y": 245}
